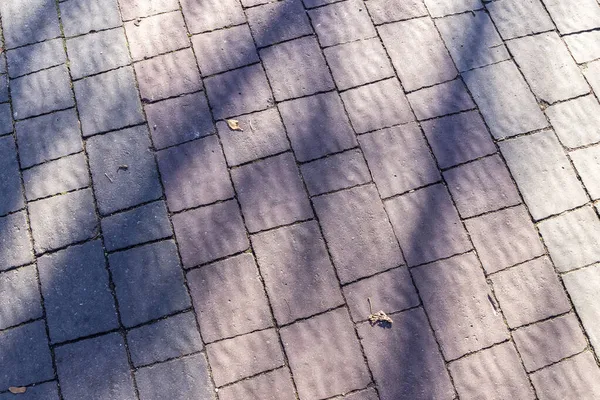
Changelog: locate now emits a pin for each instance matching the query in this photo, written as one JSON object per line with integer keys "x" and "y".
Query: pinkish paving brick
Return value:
{"x": 574, "y": 378}
{"x": 570, "y": 19}
{"x": 584, "y": 46}
{"x": 279, "y": 21}
{"x": 156, "y": 35}
{"x": 342, "y": 22}
{"x": 274, "y": 385}
{"x": 587, "y": 164}
{"x": 442, "y": 99}
{"x": 576, "y": 122}
{"x": 15, "y": 245}
{"x": 211, "y": 14}
{"x": 56, "y": 177}
{"x": 515, "y": 18}
{"x": 383, "y": 11}
{"x": 439, "y": 8}
{"x": 131, "y": 9}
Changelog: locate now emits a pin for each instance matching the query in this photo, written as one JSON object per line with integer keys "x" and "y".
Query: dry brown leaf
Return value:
{"x": 17, "y": 390}
{"x": 378, "y": 318}
{"x": 234, "y": 125}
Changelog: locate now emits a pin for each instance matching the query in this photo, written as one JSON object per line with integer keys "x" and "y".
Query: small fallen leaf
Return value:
{"x": 234, "y": 125}
{"x": 17, "y": 390}
{"x": 137, "y": 22}
{"x": 378, "y": 318}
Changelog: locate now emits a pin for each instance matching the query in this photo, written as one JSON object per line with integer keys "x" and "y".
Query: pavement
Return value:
{"x": 317, "y": 199}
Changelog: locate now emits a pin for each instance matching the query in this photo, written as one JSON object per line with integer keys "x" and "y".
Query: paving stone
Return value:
{"x": 569, "y": 19}
{"x": 229, "y": 298}
{"x": 507, "y": 104}
{"x": 549, "y": 341}
{"x": 148, "y": 282}
{"x": 41, "y": 92}
{"x": 238, "y": 92}
{"x": 224, "y": 49}
{"x": 202, "y": 166}
{"x": 26, "y": 22}
{"x": 48, "y": 137}
{"x": 97, "y": 52}
{"x": 296, "y": 68}
{"x": 399, "y": 159}
{"x": 357, "y": 232}
{"x": 339, "y": 171}
{"x": 174, "y": 336}
{"x": 44, "y": 391}
{"x": 317, "y": 126}
{"x": 515, "y": 18}
{"x": 275, "y": 22}
{"x": 587, "y": 163}
{"x": 439, "y": 8}
{"x": 592, "y": 74}
{"x": 6, "y": 123}
{"x": 494, "y": 373}
{"x": 131, "y": 9}
{"x": 420, "y": 371}
{"x": 298, "y": 275}
{"x": 348, "y": 67}
{"x": 208, "y": 233}
{"x": 369, "y": 394}
{"x": 212, "y": 14}
{"x": 4, "y": 88}
{"x": 377, "y": 105}
{"x": 62, "y": 220}
{"x": 383, "y": 11}
{"x": 442, "y": 99}
{"x": 187, "y": 377}
{"x": 271, "y": 193}
{"x": 63, "y": 175}
{"x": 263, "y": 135}
{"x": 391, "y": 291}
{"x": 342, "y": 22}
{"x": 95, "y": 369}
{"x": 427, "y": 225}
{"x": 548, "y": 67}
{"x": 168, "y": 75}
{"x": 11, "y": 195}
{"x": 25, "y": 350}
{"x": 244, "y": 356}
{"x": 584, "y": 47}
{"x": 504, "y": 238}
{"x": 457, "y": 287}
{"x": 573, "y": 238}
{"x": 21, "y": 297}
{"x": 111, "y": 94}
{"x": 274, "y": 385}
{"x": 576, "y": 122}
{"x": 3, "y": 68}
{"x": 325, "y": 356}
{"x": 417, "y": 52}
{"x": 84, "y": 16}
{"x": 543, "y": 174}
{"x": 143, "y": 224}
{"x": 156, "y": 35}
{"x": 15, "y": 243}
{"x": 77, "y": 297}
{"x": 576, "y": 378}
{"x": 35, "y": 57}
{"x": 126, "y": 158}
{"x": 316, "y": 3}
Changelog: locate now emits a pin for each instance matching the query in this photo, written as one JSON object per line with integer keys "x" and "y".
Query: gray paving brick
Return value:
{"x": 543, "y": 174}
{"x": 549, "y": 341}
{"x": 298, "y": 275}
{"x": 494, "y": 373}
{"x": 420, "y": 372}
{"x": 569, "y": 19}
{"x": 339, "y": 171}
{"x": 187, "y": 377}
{"x": 439, "y": 8}
{"x": 576, "y": 122}
{"x": 504, "y": 99}
{"x": 377, "y": 105}
{"x": 143, "y": 224}
{"x": 342, "y": 22}
{"x": 325, "y": 346}
{"x": 584, "y": 46}
{"x": 97, "y": 52}
{"x": 457, "y": 287}
{"x": 15, "y": 243}
{"x": 156, "y": 35}
{"x": 44, "y": 391}
{"x": 317, "y": 126}
{"x": 316, "y": 3}
{"x": 62, "y": 220}
{"x": 84, "y": 16}
{"x": 417, "y": 40}
{"x": 399, "y": 159}
{"x": 21, "y": 297}
{"x": 275, "y": 22}
{"x": 77, "y": 297}
{"x": 238, "y": 92}
{"x": 548, "y": 67}
{"x": 148, "y": 282}
{"x": 296, "y": 68}
{"x": 174, "y": 336}
{"x": 263, "y": 135}
{"x": 11, "y": 195}
{"x": 515, "y": 18}
{"x": 271, "y": 193}
{"x": 212, "y": 14}
{"x": 25, "y": 350}
{"x": 26, "y": 22}
{"x": 427, "y": 225}
{"x": 383, "y": 11}
{"x": 591, "y": 73}
{"x": 108, "y": 101}
{"x": 369, "y": 394}
{"x": 56, "y": 177}
{"x": 95, "y": 369}
{"x": 168, "y": 75}
{"x": 275, "y": 385}
{"x": 573, "y": 238}
{"x": 357, "y": 232}
{"x": 6, "y": 123}
{"x": 229, "y": 298}
{"x": 208, "y": 233}
{"x": 203, "y": 165}
{"x": 126, "y": 158}
{"x": 131, "y": 9}
{"x": 575, "y": 378}
{"x": 4, "y": 88}
{"x": 587, "y": 163}
{"x": 25, "y": 60}
{"x": 442, "y": 99}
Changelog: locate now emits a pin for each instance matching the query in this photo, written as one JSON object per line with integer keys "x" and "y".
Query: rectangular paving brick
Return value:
{"x": 442, "y": 99}
{"x": 592, "y": 75}
{"x": 342, "y": 22}
{"x": 274, "y": 385}
{"x": 229, "y": 298}
{"x": 84, "y": 16}
{"x": 575, "y": 378}
{"x": 30, "y": 21}
{"x": 211, "y": 14}
{"x": 156, "y": 35}
{"x": 6, "y": 122}
{"x": 4, "y": 88}
{"x": 543, "y": 174}
{"x": 275, "y": 22}
{"x": 11, "y": 195}
{"x": 358, "y": 233}
{"x": 515, "y": 18}
{"x": 21, "y": 297}
{"x": 439, "y": 8}
{"x": 576, "y": 122}
{"x": 584, "y": 46}
{"x": 131, "y": 9}
{"x": 43, "y": 391}
{"x": 35, "y": 57}
{"x": 569, "y": 19}
{"x": 587, "y": 164}
{"x": 63, "y": 175}
{"x": 383, "y": 11}
{"x": 298, "y": 275}
{"x": 369, "y": 394}
{"x": 15, "y": 243}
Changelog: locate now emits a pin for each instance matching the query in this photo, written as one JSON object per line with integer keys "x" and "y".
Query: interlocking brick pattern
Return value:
{"x": 437, "y": 160}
